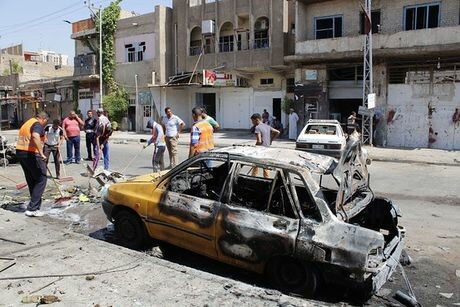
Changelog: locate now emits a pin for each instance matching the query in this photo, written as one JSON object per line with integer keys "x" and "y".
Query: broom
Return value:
{"x": 65, "y": 178}
{"x": 62, "y": 198}
{"x": 19, "y": 186}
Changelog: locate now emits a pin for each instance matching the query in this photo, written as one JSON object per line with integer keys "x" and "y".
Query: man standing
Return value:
{"x": 29, "y": 151}
{"x": 351, "y": 123}
{"x": 71, "y": 125}
{"x": 214, "y": 124}
{"x": 90, "y": 130}
{"x": 201, "y": 137}
{"x": 103, "y": 132}
{"x": 54, "y": 136}
{"x": 172, "y": 125}
{"x": 158, "y": 139}
{"x": 264, "y": 137}
{"x": 293, "y": 119}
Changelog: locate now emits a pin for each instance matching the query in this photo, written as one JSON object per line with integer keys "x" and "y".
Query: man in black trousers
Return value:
{"x": 29, "y": 151}
{"x": 90, "y": 130}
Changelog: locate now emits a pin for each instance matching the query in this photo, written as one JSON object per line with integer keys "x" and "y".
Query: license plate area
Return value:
{"x": 317, "y": 146}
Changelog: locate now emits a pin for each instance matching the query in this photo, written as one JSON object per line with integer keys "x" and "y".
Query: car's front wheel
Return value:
{"x": 291, "y": 276}
{"x": 130, "y": 230}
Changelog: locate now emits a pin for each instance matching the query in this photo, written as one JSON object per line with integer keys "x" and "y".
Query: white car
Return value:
{"x": 323, "y": 137}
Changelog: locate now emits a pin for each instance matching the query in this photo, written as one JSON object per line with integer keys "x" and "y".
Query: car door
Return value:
{"x": 186, "y": 212}
{"x": 257, "y": 220}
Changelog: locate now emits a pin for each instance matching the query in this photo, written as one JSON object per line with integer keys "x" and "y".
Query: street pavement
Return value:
{"x": 426, "y": 193}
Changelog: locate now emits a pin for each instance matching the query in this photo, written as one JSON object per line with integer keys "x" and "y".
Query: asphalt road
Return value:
{"x": 428, "y": 196}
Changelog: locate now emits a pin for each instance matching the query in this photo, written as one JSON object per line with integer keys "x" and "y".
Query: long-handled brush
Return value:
{"x": 62, "y": 198}
{"x": 65, "y": 178}
{"x": 19, "y": 185}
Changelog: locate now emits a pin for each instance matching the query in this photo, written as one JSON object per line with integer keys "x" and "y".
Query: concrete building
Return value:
{"x": 416, "y": 47}
{"x": 229, "y": 57}
{"x": 143, "y": 54}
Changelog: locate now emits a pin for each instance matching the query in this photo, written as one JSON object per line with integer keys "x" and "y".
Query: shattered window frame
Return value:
{"x": 290, "y": 176}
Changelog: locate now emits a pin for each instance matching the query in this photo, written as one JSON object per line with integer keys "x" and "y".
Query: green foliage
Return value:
{"x": 75, "y": 87}
{"x": 116, "y": 104}
{"x": 16, "y": 68}
{"x": 288, "y": 103}
{"x": 110, "y": 17}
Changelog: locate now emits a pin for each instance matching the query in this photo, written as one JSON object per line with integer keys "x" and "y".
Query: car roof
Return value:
{"x": 281, "y": 157}
{"x": 323, "y": 121}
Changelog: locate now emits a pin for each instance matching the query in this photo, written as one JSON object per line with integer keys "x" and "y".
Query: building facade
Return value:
{"x": 229, "y": 57}
{"x": 143, "y": 46}
{"x": 416, "y": 48}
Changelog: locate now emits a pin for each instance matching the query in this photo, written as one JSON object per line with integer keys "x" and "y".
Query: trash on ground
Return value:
{"x": 446, "y": 295}
{"x": 40, "y": 299}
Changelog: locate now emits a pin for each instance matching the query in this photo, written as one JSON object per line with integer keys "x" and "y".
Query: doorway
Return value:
{"x": 340, "y": 109}
{"x": 277, "y": 108}
{"x": 132, "y": 118}
{"x": 207, "y": 101}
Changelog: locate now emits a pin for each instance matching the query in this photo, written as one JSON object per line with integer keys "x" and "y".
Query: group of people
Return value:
{"x": 37, "y": 141}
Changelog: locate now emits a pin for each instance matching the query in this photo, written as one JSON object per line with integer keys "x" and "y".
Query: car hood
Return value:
{"x": 148, "y": 177}
{"x": 351, "y": 172}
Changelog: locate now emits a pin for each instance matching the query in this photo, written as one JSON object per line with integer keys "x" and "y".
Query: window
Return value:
{"x": 301, "y": 192}
{"x": 242, "y": 40}
{"x": 261, "y": 38}
{"x": 266, "y": 81}
{"x": 194, "y": 3}
{"x": 375, "y": 17}
{"x": 247, "y": 186}
{"x": 328, "y": 27}
{"x": 135, "y": 52}
{"x": 421, "y": 17}
{"x": 147, "y": 111}
{"x": 204, "y": 178}
{"x": 290, "y": 85}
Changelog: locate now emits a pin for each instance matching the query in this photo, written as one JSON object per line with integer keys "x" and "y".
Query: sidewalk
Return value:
{"x": 231, "y": 137}
{"x": 101, "y": 274}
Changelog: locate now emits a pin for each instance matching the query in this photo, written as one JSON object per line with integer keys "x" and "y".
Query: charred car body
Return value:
{"x": 289, "y": 225}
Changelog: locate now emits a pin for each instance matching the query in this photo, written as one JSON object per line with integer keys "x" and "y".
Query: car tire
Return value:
{"x": 291, "y": 276}
{"x": 130, "y": 230}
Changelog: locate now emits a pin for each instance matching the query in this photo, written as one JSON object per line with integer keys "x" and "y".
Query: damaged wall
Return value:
{"x": 423, "y": 115}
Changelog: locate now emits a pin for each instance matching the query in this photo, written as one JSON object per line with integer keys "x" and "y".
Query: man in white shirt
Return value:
{"x": 264, "y": 137}
{"x": 54, "y": 136}
{"x": 172, "y": 126}
{"x": 293, "y": 119}
{"x": 103, "y": 132}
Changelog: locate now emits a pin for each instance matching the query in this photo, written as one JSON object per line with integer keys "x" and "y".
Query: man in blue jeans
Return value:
{"x": 103, "y": 132}
{"x": 71, "y": 126}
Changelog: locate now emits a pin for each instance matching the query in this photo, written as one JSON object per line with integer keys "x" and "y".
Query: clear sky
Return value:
{"x": 39, "y": 25}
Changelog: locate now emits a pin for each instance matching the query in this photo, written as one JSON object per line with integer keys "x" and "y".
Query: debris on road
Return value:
{"x": 47, "y": 285}
{"x": 446, "y": 295}
{"x": 40, "y": 299}
{"x": 12, "y": 241}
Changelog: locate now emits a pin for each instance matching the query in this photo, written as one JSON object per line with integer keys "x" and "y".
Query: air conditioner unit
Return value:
{"x": 208, "y": 27}
{"x": 263, "y": 24}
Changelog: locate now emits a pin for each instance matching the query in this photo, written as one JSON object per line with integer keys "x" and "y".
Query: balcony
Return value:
{"x": 83, "y": 27}
{"x": 85, "y": 65}
{"x": 437, "y": 41}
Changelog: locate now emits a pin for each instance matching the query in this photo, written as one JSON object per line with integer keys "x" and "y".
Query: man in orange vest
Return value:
{"x": 201, "y": 137}
{"x": 29, "y": 151}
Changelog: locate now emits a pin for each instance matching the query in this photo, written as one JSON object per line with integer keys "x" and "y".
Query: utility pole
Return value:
{"x": 90, "y": 7}
{"x": 137, "y": 100}
{"x": 368, "y": 81}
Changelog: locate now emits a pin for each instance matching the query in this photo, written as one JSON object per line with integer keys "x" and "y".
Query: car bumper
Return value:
{"x": 336, "y": 153}
{"x": 107, "y": 206}
{"x": 392, "y": 254}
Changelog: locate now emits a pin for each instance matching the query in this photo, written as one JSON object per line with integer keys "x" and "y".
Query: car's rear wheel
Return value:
{"x": 291, "y": 276}
{"x": 130, "y": 230}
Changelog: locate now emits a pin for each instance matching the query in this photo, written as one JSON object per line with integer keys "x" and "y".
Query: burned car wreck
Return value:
{"x": 312, "y": 219}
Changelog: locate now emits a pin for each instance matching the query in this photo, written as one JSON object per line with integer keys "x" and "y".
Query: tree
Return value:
{"x": 16, "y": 68}
{"x": 116, "y": 104}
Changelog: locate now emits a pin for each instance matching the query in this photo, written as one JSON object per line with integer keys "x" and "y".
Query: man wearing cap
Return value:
{"x": 29, "y": 151}
{"x": 103, "y": 132}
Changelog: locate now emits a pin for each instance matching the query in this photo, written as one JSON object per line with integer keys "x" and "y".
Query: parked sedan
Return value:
{"x": 323, "y": 137}
{"x": 312, "y": 219}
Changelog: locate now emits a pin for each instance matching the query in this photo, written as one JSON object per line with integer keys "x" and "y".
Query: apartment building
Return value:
{"x": 229, "y": 57}
{"x": 416, "y": 48}
{"x": 143, "y": 54}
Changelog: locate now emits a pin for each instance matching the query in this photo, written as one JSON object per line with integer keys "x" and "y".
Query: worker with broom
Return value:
{"x": 54, "y": 136}
{"x": 29, "y": 151}
{"x": 158, "y": 139}
{"x": 103, "y": 132}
